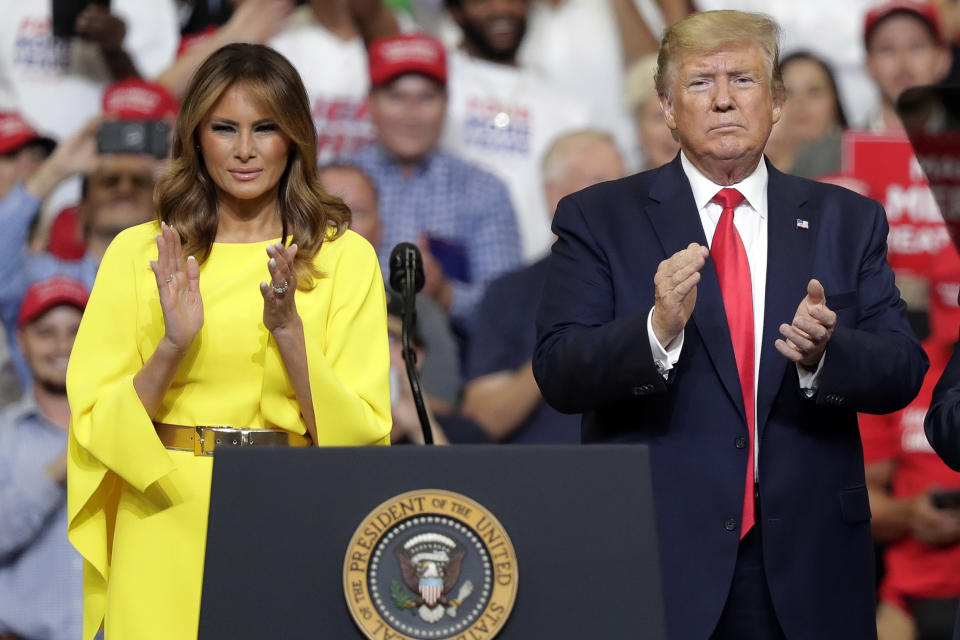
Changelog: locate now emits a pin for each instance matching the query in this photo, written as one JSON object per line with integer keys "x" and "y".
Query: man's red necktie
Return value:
{"x": 733, "y": 271}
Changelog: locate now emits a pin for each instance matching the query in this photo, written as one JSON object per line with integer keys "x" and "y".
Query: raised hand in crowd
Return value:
{"x": 253, "y": 21}
{"x": 435, "y": 282}
{"x": 96, "y": 24}
{"x": 373, "y": 19}
{"x": 76, "y": 154}
{"x": 636, "y": 37}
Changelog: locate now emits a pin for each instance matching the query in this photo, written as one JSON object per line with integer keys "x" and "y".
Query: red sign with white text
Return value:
{"x": 887, "y": 165}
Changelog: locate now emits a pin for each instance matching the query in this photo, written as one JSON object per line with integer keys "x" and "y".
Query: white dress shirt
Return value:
{"x": 750, "y": 219}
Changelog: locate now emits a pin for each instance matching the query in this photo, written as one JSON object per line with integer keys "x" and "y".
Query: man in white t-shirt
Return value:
{"x": 618, "y": 34}
{"x": 324, "y": 40}
{"x": 56, "y": 83}
{"x": 503, "y": 116}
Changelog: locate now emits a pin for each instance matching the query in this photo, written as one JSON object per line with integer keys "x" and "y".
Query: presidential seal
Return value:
{"x": 430, "y": 564}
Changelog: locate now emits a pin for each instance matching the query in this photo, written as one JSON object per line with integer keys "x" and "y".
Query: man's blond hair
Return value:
{"x": 711, "y": 31}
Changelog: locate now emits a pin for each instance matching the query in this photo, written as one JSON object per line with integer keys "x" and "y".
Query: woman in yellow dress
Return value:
{"x": 247, "y": 305}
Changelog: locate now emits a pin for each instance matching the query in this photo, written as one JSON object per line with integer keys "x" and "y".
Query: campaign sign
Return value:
{"x": 887, "y": 165}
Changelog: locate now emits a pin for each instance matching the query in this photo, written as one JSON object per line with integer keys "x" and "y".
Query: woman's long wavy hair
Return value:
{"x": 186, "y": 196}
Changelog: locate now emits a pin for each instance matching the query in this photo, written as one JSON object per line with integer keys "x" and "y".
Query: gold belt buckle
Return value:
{"x": 208, "y": 438}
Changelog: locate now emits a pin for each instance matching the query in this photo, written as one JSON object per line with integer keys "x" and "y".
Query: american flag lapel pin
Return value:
{"x": 803, "y": 224}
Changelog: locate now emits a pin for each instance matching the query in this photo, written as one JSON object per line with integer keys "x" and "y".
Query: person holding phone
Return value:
{"x": 246, "y": 314}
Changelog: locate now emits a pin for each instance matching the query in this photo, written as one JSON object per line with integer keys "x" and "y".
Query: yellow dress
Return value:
{"x": 138, "y": 511}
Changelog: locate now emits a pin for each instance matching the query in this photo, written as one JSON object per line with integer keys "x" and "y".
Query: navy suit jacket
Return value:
{"x": 593, "y": 356}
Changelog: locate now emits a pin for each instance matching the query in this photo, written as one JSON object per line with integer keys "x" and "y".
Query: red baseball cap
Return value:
{"x": 407, "y": 53}
{"x": 136, "y": 99}
{"x": 922, "y": 9}
{"x": 15, "y": 132}
{"x": 43, "y": 295}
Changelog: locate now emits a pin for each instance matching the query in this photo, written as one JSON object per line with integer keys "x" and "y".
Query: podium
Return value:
{"x": 580, "y": 519}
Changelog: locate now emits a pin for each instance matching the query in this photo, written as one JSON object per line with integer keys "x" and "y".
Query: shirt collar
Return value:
{"x": 26, "y": 407}
{"x": 753, "y": 187}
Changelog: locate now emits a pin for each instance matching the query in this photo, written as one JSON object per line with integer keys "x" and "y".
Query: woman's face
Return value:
{"x": 810, "y": 110}
{"x": 243, "y": 147}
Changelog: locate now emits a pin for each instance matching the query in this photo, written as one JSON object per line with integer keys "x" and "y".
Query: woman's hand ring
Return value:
{"x": 169, "y": 279}
{"x": 282, "y": 289}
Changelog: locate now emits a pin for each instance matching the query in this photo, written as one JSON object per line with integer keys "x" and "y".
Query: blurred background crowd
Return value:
{"x": 456, "y": 125}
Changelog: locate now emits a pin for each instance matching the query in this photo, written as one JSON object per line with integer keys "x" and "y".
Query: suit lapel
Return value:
{"x": 790, "y": 249}
{"x": 676, "y": 221}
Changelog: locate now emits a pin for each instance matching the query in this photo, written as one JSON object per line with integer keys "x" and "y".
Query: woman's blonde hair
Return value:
{"x": 703, "y": 33}
{"x": 186, "y": 196}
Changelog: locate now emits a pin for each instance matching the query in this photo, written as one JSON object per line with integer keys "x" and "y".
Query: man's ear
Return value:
{"x": 666, "y": 105}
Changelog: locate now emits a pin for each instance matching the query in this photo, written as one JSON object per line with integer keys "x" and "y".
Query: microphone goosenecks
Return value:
{"x": 406, "y": 262}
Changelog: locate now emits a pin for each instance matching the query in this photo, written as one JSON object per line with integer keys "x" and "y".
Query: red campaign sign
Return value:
{"x": 939, "y": 155}
{"x": 886, "y": 164}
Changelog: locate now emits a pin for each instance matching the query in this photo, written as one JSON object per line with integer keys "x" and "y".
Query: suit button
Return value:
{"x": 741, "y": 443}
{"x": 730, "y": 524}
{"x": 637, "y": 391}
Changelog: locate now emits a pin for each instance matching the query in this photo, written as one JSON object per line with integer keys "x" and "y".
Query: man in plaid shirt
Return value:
{"x": 459, "y": 215}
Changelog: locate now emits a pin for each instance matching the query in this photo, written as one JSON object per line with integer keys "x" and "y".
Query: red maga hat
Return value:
{"x": 407, "y": 53}
{"x": 15, "y": 132}
{"x": 137, "y": 99}
{"x": 921, "y": 9}
{"x": 44, "y": 295}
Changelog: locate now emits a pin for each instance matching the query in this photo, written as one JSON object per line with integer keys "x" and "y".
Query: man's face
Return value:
{"x": 121, "y": 178}
{"x": 902, "y": 53}
{"x": 46, "y": 343}
{"x": 119, "y": 195}
{"x": 721, "y": 107}
{"x": 409, "y": 113}
{"x": 589, "y": 165}
{"x": 493, "y": 29}
{"x": 658, "y": 145}
{"x": 353, "y": 188}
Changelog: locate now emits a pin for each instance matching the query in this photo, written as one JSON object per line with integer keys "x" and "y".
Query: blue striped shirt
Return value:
{"x": 448, "y": 198}
{"x": 41, "y": 574}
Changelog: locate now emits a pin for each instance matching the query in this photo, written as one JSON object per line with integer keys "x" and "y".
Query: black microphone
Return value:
{"x": 406, "y": 278}
{"x": 406, "y": 266}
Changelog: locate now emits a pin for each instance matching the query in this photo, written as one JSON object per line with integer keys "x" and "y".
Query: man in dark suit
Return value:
{"x": 747, "y": 401}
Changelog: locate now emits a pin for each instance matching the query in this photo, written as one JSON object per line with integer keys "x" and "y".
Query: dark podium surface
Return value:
{"x": 580, "y": 517}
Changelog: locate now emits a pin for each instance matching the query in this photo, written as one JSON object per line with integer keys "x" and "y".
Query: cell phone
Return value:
{"x": 134, "y": 136}
{"x": 65, "y": 13}
{"x": 946, "y": 499}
